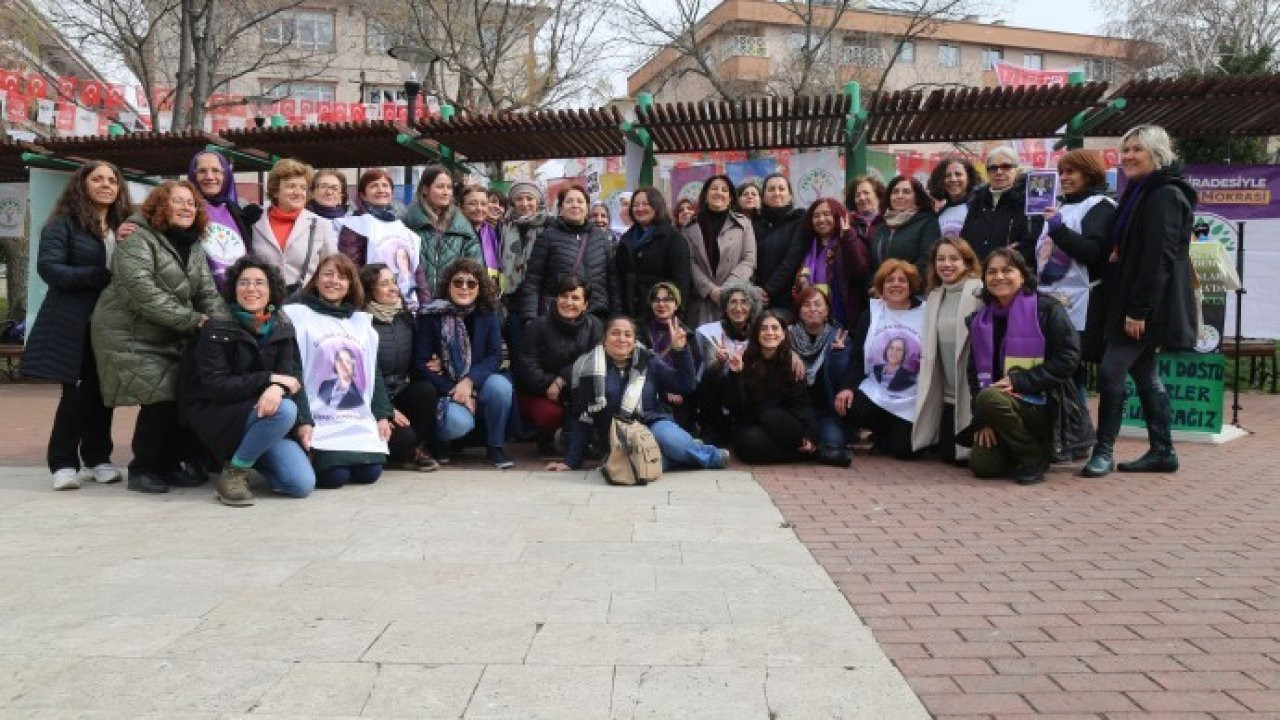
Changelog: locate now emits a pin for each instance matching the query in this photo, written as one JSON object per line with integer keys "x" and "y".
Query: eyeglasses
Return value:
{"x": 465, "y": 283}
{"x": 251, "y": 283}
{"x": 1003, "y": 167}
{"x": 329, "y": 188}
{"x": 663, "y": 300}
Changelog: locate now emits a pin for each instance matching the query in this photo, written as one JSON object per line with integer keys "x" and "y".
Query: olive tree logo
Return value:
{"x": 1221, "y": 229}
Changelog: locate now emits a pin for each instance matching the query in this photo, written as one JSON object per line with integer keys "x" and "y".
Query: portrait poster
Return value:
{"x": 1042, "y": 191}
{"x": 891, "y": 356}
{"x": 394, "y": 245}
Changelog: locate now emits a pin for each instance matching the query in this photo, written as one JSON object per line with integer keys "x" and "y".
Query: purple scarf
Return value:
{"x": 1128, "y": 203}
{"x": 489, "y": 246}
{"x": 1023, "y": 344}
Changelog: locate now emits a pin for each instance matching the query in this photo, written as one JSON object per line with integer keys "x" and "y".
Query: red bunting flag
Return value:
{"x": 11, "y": 82}
{"x": 37, "y": 87}
{"x": 92, "y": 94}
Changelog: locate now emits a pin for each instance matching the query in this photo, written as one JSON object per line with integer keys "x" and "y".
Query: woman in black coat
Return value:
{"x": 779, "y": 245}
{"x": 239, "y": 389}
{"x": 544, "y": 360}
{"x": 997, "y": 214}
{"x": 413, "y": 422}
{"x": 909, "y": 228}
{"x": 570, "y": 245}
{"x": 74, "y": 259}
{"x": 773, "y": 420}
{"x": 650, "y": 251}
{"x": 1149, "y": 300}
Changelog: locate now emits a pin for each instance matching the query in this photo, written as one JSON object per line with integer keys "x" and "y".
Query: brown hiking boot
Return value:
{"x": 233, "y": 487}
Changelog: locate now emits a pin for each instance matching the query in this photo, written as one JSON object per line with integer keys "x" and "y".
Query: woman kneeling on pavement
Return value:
{"x": 344, "y": 386}
{"x": 240, "y": 385}
{"x": 621, "y": 366}
{"x": 773, "y": 421}
{"x": 1023, "y": 354}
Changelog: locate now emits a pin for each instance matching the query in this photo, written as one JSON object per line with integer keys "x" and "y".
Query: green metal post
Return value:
{"x": 645, "y": 100}
{"x": 115, "y": 130}
{"x": 855, "y": 148}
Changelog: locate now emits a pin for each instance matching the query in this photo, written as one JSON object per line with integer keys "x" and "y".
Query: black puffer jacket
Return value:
{"x": 779, "y": 252}
{"x": 664, "y": 257}
{"x": 1072, "y": 432}
{"x": 225, "y": 371}
{"x": 73, "y": 262}
{"x": 585, "y": 251}
{"x": 910, "y": 241}
{"x": 549, "y": 348}
{"x": 990, "y": 225}
{"x": 395, "y": 351}
{"x": 1152, "y": 279}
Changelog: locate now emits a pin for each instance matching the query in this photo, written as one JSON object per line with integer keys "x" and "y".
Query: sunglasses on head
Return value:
{"x": 467, "y": 283}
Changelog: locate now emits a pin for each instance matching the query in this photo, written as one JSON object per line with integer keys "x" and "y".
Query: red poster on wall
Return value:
{"x": 17, "y": 107}
{"x": 66, "y": 89}
{"x": 66, "y": 123}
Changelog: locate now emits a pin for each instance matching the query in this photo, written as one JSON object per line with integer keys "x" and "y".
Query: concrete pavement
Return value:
{"x": 458, "y": 594}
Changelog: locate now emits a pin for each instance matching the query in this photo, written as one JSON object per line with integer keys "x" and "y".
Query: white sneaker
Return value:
{"x": 66, "y": 479}
{"x": 105, "y": 473}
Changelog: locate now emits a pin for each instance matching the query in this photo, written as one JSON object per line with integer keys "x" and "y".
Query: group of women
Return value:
{"x": 316, "y": 345}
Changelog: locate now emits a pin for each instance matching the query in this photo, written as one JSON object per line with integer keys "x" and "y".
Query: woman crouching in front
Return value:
{"x": 601, "y": 378}
{"x": 239, "y": 389}
{"x": 1023, "y": 354}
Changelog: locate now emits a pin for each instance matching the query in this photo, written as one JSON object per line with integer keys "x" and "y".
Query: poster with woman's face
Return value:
{"x": 398, "y": 254}
{"x": 895, "y": 356}
{"x": 337, "y": 373}
{"x": 1052, "y": 262}
{"x": 222, "y": 247}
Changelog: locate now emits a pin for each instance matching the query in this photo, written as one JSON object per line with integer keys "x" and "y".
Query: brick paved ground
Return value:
{"x": 1132, "y": 596}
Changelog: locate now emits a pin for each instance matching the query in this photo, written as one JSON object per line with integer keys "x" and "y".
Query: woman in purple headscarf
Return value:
{"x": 230, "y": 231}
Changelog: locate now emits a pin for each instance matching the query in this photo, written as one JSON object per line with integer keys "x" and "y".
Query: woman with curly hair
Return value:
{"x": 161, "y": 294}
{"x": 951, "y": 186}
{"x": 240, "y": 389}
{"x": 74, "y": 260}
{"x": 458, "y": 347}
{"x": 772, "y": 417}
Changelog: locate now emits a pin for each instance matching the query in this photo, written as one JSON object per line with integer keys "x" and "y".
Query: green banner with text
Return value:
{"x": 1195, "y": 384}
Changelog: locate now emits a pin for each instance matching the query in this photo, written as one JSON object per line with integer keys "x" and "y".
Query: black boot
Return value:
{"x": 835, "y": 456}
{"x": 1100, "y": 462}
{"x": 1160, "y": 458}
{"x": 146, "y": 482}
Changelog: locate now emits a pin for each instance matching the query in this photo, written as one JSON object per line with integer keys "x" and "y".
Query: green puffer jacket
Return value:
{"x": 146, "y": 316}
{"x": 443, "y": 240}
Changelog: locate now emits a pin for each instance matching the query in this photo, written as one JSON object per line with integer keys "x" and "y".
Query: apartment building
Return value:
{"x": 755, "y": 47}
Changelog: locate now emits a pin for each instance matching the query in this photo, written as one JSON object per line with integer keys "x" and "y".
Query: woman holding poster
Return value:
{"x": 375, "y": 235}
{"x": 1150, "y": 301}
{"x": 879, "y": 390}
{"x": 344, "y": 387}
{"x": 1072, "y": 253}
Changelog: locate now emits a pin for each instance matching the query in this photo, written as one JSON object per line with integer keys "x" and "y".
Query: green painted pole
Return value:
{"x": 855, "y": 148}
{"x": 645, "y": 100}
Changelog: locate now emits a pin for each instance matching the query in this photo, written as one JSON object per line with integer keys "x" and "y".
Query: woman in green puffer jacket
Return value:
{"x": 161, "y": 293}
{"x": 446, "y": 234}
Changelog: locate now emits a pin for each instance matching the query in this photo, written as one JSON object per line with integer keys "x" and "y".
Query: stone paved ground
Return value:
{"x": 474, "y": 594}
{"x": 1151, "y": 597}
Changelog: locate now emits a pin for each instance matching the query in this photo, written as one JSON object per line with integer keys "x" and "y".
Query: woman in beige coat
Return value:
{"x": 289, "y": 236}
{"x": 943, "y": 402}
{"x": 722, "y": 246}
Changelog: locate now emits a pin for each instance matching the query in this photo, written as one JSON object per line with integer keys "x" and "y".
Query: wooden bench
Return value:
{"x": 1255, "y": 350}
{"x": 11, "y": 356}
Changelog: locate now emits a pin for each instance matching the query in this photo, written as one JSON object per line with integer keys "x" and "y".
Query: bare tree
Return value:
{"x": 1194, "y": 36}
{"x": 193, "y": 48}
{"x": 814, "y": 53}
{"x": 506, "y": 54}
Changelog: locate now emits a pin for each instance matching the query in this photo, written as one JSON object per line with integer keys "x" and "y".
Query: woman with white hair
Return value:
{"x": 997, "y": 213}
{"x": 1148, "y": 296}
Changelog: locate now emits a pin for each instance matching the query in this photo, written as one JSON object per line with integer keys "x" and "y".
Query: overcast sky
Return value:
{"x": 1067, "y": 16}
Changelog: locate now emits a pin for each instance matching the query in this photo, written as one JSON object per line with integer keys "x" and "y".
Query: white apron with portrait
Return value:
{"x": 339, "y": 357}
{"x": 394, "y": 245}
{"x": 1059, "y": 275}
{"x": 891, "y": 357}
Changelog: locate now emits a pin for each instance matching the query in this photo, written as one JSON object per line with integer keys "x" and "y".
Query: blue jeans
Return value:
{"x": 267, "y": 447}
{"x": 494, "y": 406}
{"x": 680, "y": 449}
{"x": 831, "y": 430}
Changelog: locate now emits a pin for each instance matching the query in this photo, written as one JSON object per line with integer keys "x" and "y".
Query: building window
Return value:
{"x": 301, "y": 91}
{"x": 990, "y": 56}
{"x": 948, "y": 55}
{"x": 907, "y": 51}
{"x": 1099, "y": 70}
{"x": 379, "y": 37}
{"x": 311, "y": 31}
{"x": 1033, "y": 61}
{"x": 745, "y": 46}
{"x": 384, "y": 94}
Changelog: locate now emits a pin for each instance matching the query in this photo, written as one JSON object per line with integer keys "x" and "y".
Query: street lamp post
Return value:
{"x": 413, "y": 58}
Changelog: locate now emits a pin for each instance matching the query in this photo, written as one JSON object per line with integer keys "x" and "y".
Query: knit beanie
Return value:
{"x": 523, "y": 187}
{"x": 670, "y": 288}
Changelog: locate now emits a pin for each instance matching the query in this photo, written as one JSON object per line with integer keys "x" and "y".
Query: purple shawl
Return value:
{"x": 228, "y": 191}
{"x": 1023, "y": 344}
